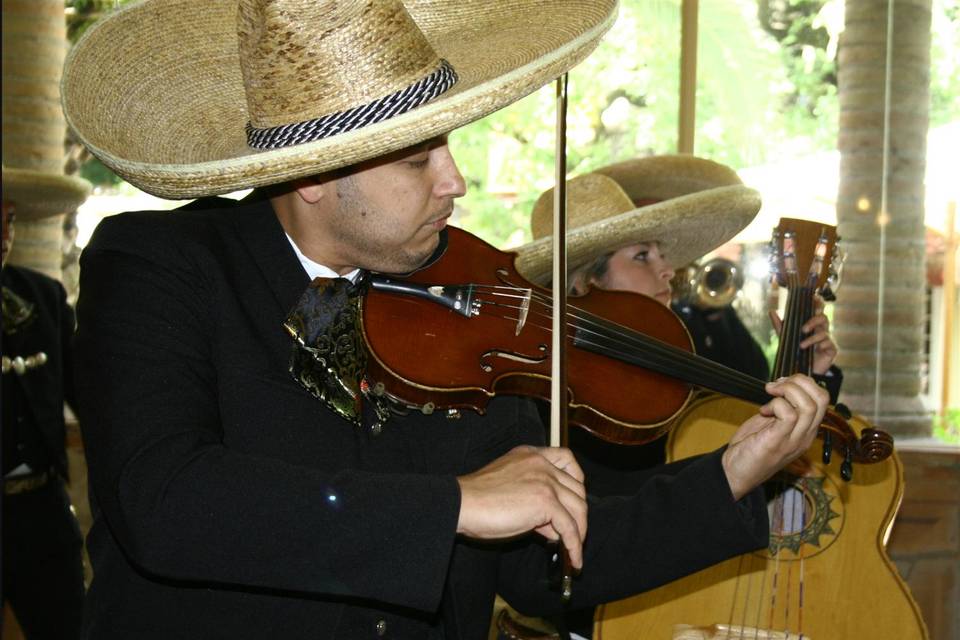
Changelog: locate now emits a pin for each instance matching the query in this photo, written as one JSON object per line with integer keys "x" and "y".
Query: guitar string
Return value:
{"x": 789, "y": 358}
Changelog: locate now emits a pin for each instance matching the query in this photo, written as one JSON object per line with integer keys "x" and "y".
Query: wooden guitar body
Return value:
{"x": 825, "y": 575}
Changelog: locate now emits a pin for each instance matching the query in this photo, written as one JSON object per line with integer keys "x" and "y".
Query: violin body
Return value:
{"x": 825, "y": 575}
{"x": 463, "y": 360}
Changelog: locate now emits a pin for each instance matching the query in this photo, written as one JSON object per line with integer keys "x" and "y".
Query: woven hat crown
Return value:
{"x": 591, "y": 197}
{"x": 345, "y": 62}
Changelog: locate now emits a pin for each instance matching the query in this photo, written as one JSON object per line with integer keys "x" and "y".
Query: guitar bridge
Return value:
{"x": 731, "y": 632}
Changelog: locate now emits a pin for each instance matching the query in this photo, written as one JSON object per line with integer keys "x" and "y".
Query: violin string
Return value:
{"x": 668, "y": 356}
{"x": 662, "y": 356}
{"x": 626, "y": 334}
{"x": 607, "y": 330}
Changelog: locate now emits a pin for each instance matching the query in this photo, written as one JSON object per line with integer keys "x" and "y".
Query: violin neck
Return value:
{"x": 620, "y": 343}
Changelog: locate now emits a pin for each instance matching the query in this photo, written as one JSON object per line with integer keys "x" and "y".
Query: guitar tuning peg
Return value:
{"x": 846, "y": 467}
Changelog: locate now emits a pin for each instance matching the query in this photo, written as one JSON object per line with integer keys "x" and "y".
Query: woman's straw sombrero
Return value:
{"x": 36, "y": 194}
{"x": 688, "y": 205}
{"x": 185, "y": 98}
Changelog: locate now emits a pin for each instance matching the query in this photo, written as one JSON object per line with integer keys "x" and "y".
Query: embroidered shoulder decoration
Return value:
{"x": 18, "y": 313}
{"x": 328, "y": 356}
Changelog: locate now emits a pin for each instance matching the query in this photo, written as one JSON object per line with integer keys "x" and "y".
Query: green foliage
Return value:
{"x": 947, "y": 426}
{"x": 623, "y": 103}
{"x": 83, "y": 13}
{"x": 945, "y": 62}
{"x": 770, "y": 349}
{"x": 98, "y": 174}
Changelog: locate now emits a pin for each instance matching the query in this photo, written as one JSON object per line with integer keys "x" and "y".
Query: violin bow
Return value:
{"x": 558, "y": 373}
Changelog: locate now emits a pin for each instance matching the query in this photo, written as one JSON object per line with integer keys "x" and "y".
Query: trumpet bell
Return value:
{"x": 713, "y": 284}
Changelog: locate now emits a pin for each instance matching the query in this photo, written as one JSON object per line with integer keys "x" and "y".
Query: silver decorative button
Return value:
{"x": 381, "y": 628}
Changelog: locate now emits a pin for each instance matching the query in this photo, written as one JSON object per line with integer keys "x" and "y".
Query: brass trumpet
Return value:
{"x": 712, "y": 284}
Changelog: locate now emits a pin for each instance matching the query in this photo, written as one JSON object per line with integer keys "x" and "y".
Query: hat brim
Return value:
{"x": 155, "y": 90}
{"x": 685, "y": 227}
{"x": 36, "y": 194}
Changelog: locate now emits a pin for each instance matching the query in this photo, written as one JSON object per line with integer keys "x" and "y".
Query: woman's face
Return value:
{"x": 639, "y": 268}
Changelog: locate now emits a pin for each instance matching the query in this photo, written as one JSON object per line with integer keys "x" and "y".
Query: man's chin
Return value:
{"x": 410, "y": 260}
{"x": 418, "y": 259}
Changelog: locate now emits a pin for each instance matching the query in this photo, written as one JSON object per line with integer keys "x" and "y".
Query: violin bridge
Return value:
{"x": 524, "y": 310}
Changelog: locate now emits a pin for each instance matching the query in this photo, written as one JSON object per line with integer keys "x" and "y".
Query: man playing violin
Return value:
{"x": 237, "y": 490}
{"x": 626, "y": 222}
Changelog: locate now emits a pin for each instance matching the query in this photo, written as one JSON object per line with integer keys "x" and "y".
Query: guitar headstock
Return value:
{"x": 805, "y": 254}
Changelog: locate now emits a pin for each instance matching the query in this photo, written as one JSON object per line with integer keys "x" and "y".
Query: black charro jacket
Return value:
{"x": 45, "y": 388}
{"x": 229, "y": 503}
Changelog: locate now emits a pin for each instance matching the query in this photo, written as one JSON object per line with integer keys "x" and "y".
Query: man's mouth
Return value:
{"x": 440, "y": 222}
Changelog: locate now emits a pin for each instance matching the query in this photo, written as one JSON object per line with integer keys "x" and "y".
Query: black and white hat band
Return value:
{"x": 418, "y": 93}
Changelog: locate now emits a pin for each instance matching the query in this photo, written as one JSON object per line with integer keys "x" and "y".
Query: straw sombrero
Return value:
{"x": 36, "y": 194}
{"x": 185, "y": 98}
{"x": 687, "y": 204}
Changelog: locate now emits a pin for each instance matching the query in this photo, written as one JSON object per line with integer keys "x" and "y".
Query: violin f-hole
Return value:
{"x": 487, "y": 366}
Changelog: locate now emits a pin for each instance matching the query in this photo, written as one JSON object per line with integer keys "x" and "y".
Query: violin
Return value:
{"x": 479, "y": 329}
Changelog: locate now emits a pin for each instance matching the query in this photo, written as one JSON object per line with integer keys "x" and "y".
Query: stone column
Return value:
{"x": 900, "y": 335}
{"x": 34, "y": 47}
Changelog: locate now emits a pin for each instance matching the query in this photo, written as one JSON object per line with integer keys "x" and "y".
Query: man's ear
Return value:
{"x": 312, "y": 189}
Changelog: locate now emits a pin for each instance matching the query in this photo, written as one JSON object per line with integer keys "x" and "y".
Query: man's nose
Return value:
{"x": 450, "y": 184}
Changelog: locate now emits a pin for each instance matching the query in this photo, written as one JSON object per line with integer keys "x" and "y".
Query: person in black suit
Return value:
{"x": 247, "y": 479}
{"x": 42, "y": 564}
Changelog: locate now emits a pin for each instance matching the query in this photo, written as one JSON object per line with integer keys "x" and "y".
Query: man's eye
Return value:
{"x": 641, "y": 256}
{"x": 418, "y": 164}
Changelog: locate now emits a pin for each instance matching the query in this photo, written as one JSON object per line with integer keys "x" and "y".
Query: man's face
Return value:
{"x": 7, "y": 230}
{"x": 639, "y": 268}
{"x": 389, "y": 213}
